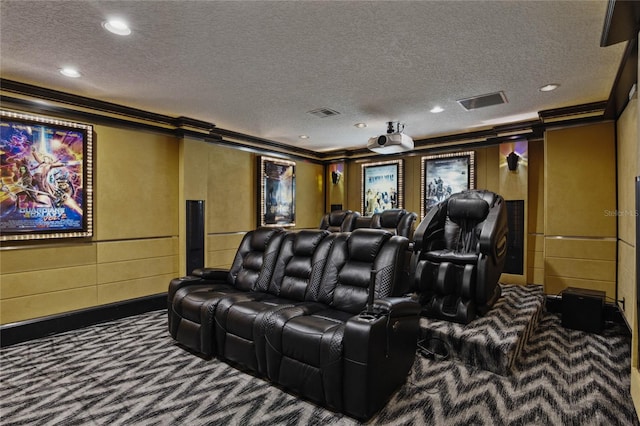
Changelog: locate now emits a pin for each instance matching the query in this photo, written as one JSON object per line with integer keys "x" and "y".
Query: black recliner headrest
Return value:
{"x": 336, "y": 217}
{"x": 261, "y": 237}
{"x": 474, "y": 209}
{"x": 364, "y": 244}
{"x": 391, "y": 218}
{"x": 306, "y": 241}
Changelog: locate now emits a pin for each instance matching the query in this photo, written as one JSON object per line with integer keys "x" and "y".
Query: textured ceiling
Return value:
{"x": 258, "y": 67}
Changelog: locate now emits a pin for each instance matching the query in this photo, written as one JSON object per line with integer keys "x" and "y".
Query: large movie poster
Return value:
{"x": 45, "y": 184}
{"x": 444, "y": 175}
{"x": 381, "y": 187}
{"x": 277, "y": 195}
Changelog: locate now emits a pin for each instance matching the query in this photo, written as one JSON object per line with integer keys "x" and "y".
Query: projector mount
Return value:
{"x": 398, "y": 129}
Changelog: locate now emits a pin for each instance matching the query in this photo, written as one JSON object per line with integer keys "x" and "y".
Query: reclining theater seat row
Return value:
{"x": 291, "y": 306}
{"x": 397, "y": 221}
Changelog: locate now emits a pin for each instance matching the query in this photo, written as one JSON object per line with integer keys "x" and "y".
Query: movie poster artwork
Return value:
{"x": 381, "y": 187}
{"x": 444, "y": 175}
{"x": 278, "y": 192}
{"x": 42, "y": 172}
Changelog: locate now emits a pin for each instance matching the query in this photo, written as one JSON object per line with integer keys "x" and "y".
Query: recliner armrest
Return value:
{"x": 396, "y": 306}
{"x": 214, "y": 274}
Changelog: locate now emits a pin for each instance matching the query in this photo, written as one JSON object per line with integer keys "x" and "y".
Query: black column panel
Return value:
{"x": 514, "y": 263}
{"x": 195, "y": 235}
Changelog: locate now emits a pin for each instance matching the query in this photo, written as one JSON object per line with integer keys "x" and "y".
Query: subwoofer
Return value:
{"x": 583, "y": 309}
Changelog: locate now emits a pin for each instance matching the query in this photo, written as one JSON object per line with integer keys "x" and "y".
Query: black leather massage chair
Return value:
{"x": 459, "y": 253}
{"x": 314, "y": 312}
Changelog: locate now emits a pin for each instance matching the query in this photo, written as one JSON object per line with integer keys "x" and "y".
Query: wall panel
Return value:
{"x": 48, "y": 303}
{"x": 136, "y": 184}
{"x": 309, "y": 194}
{"x": 46, "y": 281}
{"x": 580, "y": 181}
{"x": 584, "y": 263}
{"x": 628, "y": 156}
{"x": 222, "y": 249}
{"x": 133, "y": 288}
{"x": 231, "y": 198}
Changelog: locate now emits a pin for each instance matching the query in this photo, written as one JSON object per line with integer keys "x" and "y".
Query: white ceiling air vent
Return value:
{"x": 323, "y": 112}
{"x": 483, "y": 101}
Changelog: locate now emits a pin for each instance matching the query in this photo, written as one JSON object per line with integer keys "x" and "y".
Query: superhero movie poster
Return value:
{"x": 42, "y": 187}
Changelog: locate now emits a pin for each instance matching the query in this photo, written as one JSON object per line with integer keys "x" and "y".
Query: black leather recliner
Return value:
{"x": 240, "y": 325}
{"x": 192, "y": 300}
{"x": 321, "y": 317}
{"x": 334, "y": 352}
{"x": 339, "y": 221}
{"x": 459, "y": 253}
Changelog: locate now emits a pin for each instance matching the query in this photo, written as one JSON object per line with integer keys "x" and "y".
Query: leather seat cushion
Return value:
{"x": 191, "y": 304}
{"x": 241, "y": 316}
{"x": 302, "y": 337}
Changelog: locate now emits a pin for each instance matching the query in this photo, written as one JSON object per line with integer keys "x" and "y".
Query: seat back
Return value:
{"x": 363, "y": 222}
{"x": 339, "y": 221}
{"x": 397, "y": 221}
{"x": 347, "y": 274}
{"x": 300, "y": 262}
{"x": 464, "y": 223}
{"x": 255, "y": 259}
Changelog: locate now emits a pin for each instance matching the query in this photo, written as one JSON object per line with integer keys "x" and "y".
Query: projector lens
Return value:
{"x": 382, "y": 140}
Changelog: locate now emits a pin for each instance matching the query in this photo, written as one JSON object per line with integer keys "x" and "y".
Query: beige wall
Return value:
{"x": 141, "y": 183}
{"x": 228, "y": 188}
{"x": 629, "y": 167}
{"x": 580, "y": 190}
{"x": 134, "y": 251}
{"x": 627, "y": 154}
{"x": 535, "y": 213}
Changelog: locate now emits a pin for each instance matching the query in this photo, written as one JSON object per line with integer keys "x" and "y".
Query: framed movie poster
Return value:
{"x": 381, "y": 187}
{"x": 277, "y": 185}
{"x": 45, "y": 178}
{"x": 443, "y": 175}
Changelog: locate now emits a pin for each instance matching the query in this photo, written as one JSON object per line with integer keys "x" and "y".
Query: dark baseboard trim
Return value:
{"x": 23, "y": 331}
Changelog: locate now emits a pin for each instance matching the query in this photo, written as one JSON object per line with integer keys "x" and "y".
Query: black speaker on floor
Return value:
{"x": 195, "y": 235}
{"x": 583, "y": 309}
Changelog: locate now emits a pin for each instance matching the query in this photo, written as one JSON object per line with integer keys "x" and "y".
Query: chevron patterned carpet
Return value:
{"x": 129, "y": 372}
{"x": 495, "y": 341}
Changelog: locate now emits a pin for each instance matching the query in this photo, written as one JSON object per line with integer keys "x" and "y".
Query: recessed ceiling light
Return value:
{"x": 436, "y": 109}
{"x": 360, "y": 125}
{"x": 117, "y": 26}
{"x": 549, "y": 87}
{"x": 70, "y": 72}
{"x": 303, "y": 137}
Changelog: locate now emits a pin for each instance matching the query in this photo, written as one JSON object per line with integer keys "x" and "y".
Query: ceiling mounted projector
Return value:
{"x": 394, "y": 141}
